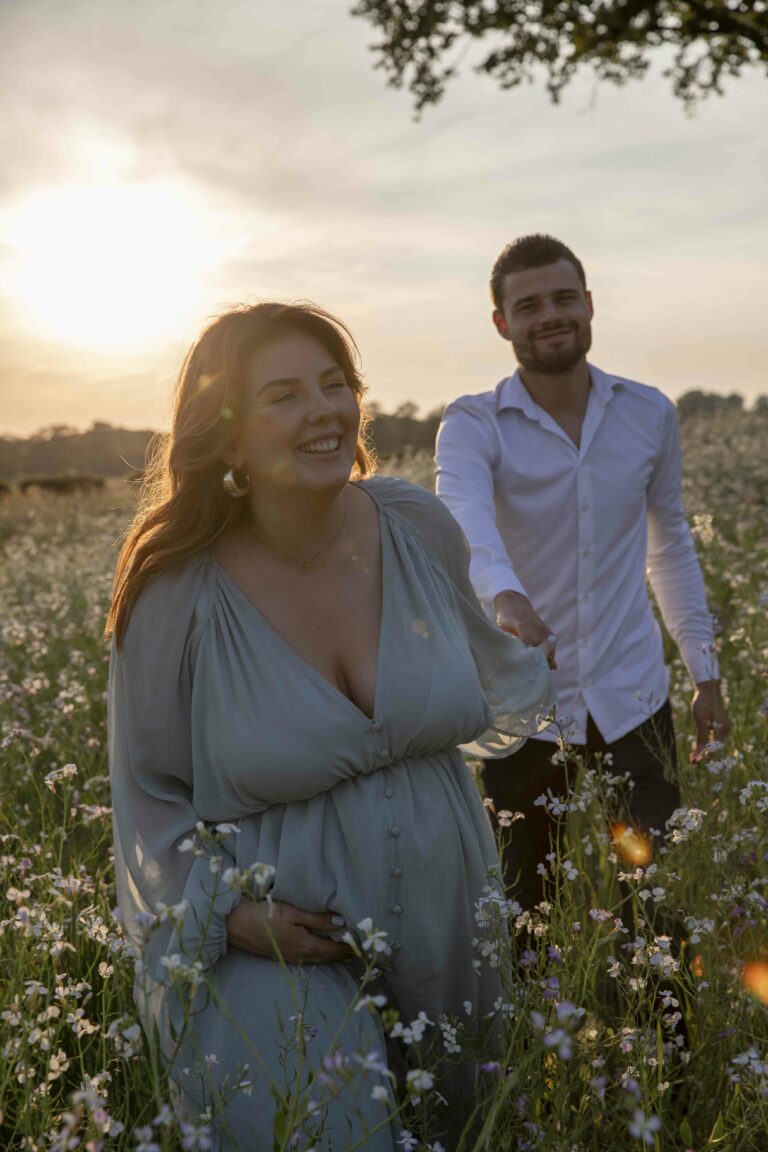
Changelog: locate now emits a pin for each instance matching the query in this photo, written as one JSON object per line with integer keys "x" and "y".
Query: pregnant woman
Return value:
{"x": 297, "y": 656}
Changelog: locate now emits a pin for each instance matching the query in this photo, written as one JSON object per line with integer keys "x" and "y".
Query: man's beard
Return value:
{"x": 555, "y": 361}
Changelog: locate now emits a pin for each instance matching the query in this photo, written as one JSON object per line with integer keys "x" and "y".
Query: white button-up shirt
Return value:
{"x": 573, "y": 529}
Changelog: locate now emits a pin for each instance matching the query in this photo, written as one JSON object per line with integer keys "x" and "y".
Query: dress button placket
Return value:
{"x": 393, "y": 835}
{"x": 395, "y": 872}
{"x": 376, "y": 728}
{"x": 395, "y": 908}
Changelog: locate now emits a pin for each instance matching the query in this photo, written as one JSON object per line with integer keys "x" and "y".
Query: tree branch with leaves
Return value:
{"x": 423, "y": 41}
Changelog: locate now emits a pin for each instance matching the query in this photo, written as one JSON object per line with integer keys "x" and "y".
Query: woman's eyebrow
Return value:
{"x": 283, "y": 381}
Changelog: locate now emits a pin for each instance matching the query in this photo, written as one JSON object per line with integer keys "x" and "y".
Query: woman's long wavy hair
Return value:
{"x": 183, "y": 507}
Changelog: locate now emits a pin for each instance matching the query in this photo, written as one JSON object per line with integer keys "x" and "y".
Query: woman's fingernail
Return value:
{"x": 338, "y": 921}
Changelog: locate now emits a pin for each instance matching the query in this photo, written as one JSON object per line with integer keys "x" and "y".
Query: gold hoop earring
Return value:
{"x": 236, "y": 483}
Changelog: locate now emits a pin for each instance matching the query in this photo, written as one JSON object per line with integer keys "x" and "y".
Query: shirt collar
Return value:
{"x": 512, "y": 393}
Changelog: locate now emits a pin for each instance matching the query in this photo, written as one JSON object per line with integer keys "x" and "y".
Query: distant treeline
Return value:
{"x": 104, "y": 450}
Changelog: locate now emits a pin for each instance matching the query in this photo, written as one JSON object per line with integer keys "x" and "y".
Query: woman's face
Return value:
{"x": 300, "y": 417}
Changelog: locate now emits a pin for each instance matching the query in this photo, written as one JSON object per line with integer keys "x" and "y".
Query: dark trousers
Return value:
{"x": 515, "y": 782}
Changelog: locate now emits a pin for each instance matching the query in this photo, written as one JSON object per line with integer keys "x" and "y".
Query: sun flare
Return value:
{"x": 109, "y": 265}
{"x": 755, "y": 977}
{"x": 633, "y": 847}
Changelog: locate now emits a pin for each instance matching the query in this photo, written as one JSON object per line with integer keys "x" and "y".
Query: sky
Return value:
{"x": 162, "y": 161}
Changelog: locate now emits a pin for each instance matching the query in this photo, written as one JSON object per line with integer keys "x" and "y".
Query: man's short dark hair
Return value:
{"x": 534, "y": 251}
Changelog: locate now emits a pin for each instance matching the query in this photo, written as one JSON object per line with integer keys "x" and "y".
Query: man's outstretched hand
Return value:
{"x": 709, "y": 715}
{"x": 515, "y": 614}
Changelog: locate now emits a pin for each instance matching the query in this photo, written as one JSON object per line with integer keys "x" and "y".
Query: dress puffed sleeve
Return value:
{"x": 169, "y": 869}
{"x": 515, "y": 678}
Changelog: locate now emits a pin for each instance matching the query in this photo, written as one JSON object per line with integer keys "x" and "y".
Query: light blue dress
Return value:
{"x": 214, "y": 718}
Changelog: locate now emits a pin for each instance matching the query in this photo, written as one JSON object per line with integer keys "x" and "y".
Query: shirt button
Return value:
{"x": 376, "y": 726}
{"x": 396, "y": 872}
{"x": 585, "y": 507}
{"x": 394, "y": 832}
{"x": 582, "y": 643}
{"x": 585, "y": 551}
{"x": 585, "y": 598}
{"x": 396, "y": 909}
{"x": 384, "y": 754}
{"x": 388, "y": 792}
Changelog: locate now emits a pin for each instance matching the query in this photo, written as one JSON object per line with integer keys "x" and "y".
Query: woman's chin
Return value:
{"x": 330, "y": 471}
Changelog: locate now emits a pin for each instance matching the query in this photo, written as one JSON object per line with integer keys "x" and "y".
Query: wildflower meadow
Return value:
{"x": 635, "y": 1004}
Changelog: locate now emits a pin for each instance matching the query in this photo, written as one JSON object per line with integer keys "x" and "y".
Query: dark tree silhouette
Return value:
{"x": 407, "y": 410}
{"x": 697, "y": 403}
{"x": 422, "y": 41}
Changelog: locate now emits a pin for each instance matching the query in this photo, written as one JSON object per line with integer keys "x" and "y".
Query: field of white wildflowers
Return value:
{"x": 617, "y": 1036}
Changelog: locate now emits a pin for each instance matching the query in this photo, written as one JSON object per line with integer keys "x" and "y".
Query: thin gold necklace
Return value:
{"x": 297, "y": 559}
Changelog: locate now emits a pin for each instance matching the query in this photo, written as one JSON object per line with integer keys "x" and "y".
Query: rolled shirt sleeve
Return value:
{"x": 673, "y": 566}
{"x": 466, "y": 454}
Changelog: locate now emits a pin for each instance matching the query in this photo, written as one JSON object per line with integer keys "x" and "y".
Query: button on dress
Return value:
{"x": 215, "y": 718}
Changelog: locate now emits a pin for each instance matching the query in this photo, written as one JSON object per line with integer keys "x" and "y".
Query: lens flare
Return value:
{"x": 632, "y": 846}
{"x": 755, "y": 977}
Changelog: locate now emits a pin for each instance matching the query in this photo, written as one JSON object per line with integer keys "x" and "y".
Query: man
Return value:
{"x": 566, "y": 481}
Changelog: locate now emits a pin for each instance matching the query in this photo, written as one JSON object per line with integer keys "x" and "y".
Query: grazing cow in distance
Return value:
{"x": 63, "y": 485}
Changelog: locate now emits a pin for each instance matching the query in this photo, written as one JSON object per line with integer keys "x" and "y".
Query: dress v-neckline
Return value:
{"x": 301, "y": 660}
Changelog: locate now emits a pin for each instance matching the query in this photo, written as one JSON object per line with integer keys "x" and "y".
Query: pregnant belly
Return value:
{"x": 407, "y": 847}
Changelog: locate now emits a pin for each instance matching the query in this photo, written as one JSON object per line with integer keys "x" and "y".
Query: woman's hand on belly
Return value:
{"x": 284, "y": 932}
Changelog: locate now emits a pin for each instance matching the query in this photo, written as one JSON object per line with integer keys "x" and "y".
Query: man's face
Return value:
{"x": 546, "y": 315}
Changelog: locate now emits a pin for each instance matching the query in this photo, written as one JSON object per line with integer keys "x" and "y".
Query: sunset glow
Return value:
{"x": 164, "y": 162}
{"x": 107, "y": 265}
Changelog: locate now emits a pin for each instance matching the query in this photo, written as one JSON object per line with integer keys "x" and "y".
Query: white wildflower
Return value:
{"x": 373, "y": 940}
{"x": 418, "y": 1082}
{"x": 370, "y": 1002}
{"x": 58, "y": 774}
{"x": 642, "y": 1127}
{"x": 414, "y": 1032}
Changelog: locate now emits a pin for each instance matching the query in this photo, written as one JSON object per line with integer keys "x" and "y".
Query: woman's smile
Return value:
{"x": 328, "y": 446}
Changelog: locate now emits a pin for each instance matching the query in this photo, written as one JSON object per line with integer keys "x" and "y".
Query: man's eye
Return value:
{"x": 283, "y": 397}
{"x": 336, "y": 384}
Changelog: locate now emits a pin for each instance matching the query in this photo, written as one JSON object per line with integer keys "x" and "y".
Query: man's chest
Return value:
{"x": 542, "y": 481}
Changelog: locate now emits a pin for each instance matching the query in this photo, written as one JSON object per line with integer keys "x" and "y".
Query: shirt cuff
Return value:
{"x": 701, "y": 663}
{"x": 494, "y": 580}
